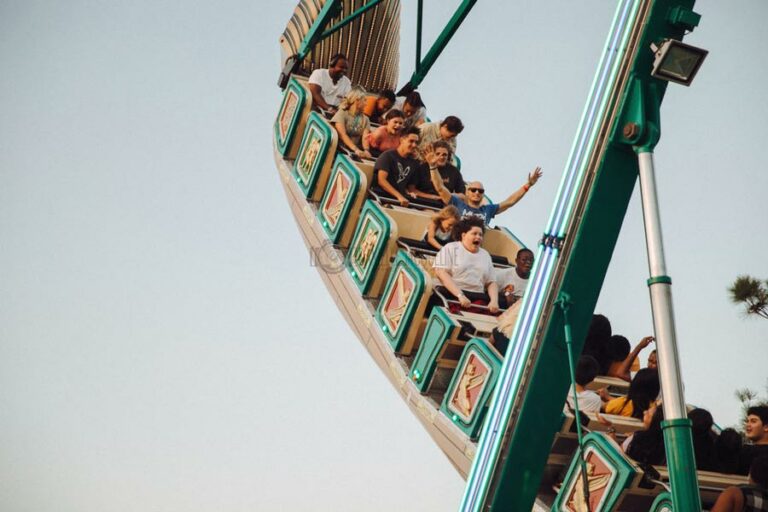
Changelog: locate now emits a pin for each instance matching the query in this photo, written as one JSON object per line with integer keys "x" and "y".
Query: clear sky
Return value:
{"x": 165, "y": 344}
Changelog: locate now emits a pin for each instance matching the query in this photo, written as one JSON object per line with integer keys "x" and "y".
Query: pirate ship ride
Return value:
{"x": 499, "y": 419}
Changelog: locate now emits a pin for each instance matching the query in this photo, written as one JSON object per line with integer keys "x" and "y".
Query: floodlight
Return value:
{"x": 677, "y": 62}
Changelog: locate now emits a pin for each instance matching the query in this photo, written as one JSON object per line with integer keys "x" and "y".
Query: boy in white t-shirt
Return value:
{"x": 586, "y": 371}
{"x": 464, "y": 267}
{"x": 513, "y": 281}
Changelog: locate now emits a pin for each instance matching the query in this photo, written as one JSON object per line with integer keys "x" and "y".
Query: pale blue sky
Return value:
{"x": 164, "y": 343}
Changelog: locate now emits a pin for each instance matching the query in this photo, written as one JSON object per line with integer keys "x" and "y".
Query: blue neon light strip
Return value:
{"x": 598, "y": 97}
{"x": 522, "y": 339}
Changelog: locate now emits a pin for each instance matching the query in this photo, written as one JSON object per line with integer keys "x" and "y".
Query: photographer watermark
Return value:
{"x": 327, "y": 257}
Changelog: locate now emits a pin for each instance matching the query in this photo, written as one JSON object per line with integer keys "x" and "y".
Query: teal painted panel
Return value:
{"x": 343, "y": 186}
{"x": 609, "y": 473}
{"x": 401, "y": 297}
{"x": 313, "y": 151}
{"x": 440, "y": 328}
{"x": 294, "y": 98}
{"x": 368, "y": 244}
{"x": 466, "y": 400}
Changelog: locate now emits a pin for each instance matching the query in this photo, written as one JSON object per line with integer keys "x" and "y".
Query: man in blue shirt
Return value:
{"x": 470, "y": 205}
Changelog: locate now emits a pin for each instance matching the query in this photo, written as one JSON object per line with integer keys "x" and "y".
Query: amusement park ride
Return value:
{"x": 499, "y": 419}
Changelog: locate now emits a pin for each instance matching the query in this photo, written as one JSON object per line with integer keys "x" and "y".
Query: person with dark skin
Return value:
{"x": 512, "y": 281}
{"x": 377, "y": 106}
{"x": 620, "y": 367}
{"x": 330, "y": 86}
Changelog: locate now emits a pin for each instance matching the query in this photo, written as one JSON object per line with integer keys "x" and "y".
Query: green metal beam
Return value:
{"x": 349, "y": 19}
{"x": 419, "y": 20}
{"x": 423, "y": 66}
{"x": 526, "y": 410}
{"x": 330, "y": 10}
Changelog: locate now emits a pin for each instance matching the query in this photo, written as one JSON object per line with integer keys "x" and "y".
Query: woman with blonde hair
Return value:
{"x": 352, "y": 124}
{"x": 439, "y": 231}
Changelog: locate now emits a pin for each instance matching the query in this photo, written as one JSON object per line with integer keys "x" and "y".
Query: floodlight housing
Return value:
{"x": 677, "y": 62}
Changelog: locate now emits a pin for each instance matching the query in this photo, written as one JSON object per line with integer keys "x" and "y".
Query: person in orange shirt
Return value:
{"x": 377, "y": 106}
{"x": 643, "y": 390}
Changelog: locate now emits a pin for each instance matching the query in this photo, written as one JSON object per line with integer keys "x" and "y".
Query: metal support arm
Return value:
{"x": 317, "y": 33}
{"x": 424, "y": 65}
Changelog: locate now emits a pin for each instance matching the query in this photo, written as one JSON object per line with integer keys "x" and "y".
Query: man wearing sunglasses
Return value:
{"x": 471, "y": 205}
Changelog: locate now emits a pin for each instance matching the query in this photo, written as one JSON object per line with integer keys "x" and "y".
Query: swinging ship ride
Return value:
{"x": 506, "y": 433}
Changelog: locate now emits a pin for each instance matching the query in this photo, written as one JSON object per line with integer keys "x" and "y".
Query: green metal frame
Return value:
{"x": 662, "y": 503}
{"x": 342, "y": 165}
{"x": 402, "y": 263}
{"x": 481, "y": 350}
{"x": 349, "y": 19}
{"x": 315, "y": 125}
{"x": 609, "y": 453}
{"x": 440, "y": 328}
{"x": 284, "y": 142}
{"x": 513, "y": 449}
{"x": 317, "y": 32}
{"x": 424, "y": 65}
{"x": 371, "y": 216}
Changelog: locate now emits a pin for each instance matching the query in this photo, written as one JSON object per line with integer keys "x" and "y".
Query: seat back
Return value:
{"x": 500, "y": 242}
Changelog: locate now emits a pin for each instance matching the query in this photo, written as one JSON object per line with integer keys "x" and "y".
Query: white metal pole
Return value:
{"x": 660, "y": 286}
{"x": 677, "y": 427}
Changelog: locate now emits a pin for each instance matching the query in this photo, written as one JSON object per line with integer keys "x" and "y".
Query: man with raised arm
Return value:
{"x": 471, "y": 205}
{"x": 330, "y": 86}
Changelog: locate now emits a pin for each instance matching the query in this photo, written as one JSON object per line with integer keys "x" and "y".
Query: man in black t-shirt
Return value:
{"x": 397, "y": 170}
{"x": 756, "y": 431}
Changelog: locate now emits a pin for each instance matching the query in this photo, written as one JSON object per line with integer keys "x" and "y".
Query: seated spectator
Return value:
{"x": 465, "y": 269}
{"x": 440, "y": 153}
{"x": 756, "y": 431}
{"x": 445, "y": 130}
{"x": 597, "y": 338}
{"x": 505, "y": 325}
{"x": 727, "y": 450}
{"x": 586, "y": 370}
{"x": 653, "y": 362}
{"x": 377, "y": 106}
{"x": 351, "y": 124}
{"x": 440, "y": 228}
{"x": 752, "y": 497}
{"x": 387, "y": 136}
{"x": 643, "y": 390}
{"x": 513, "y": 281}
{"x": 647, "y": 446}
{"x": 621, "y": 358}
{"x": 397, "y": 170}
{"x": 472, "y": 204}
{"x": 413, "y": 108}
{"x": 703, "y": 439}
{"x": 330, "y": 86}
